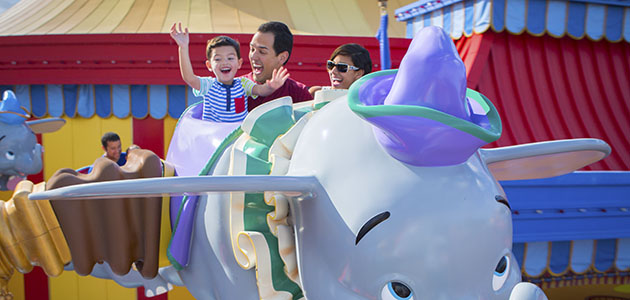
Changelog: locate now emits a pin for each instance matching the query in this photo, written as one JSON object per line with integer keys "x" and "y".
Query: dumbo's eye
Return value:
{"x": 9, "y": 155}
{"x": 501, "y": 273}
{"x": 395, "y": 290}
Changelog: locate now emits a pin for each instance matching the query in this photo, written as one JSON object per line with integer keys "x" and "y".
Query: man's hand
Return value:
{"x": 180, "y": 36}
{"x": 278, "y": 77}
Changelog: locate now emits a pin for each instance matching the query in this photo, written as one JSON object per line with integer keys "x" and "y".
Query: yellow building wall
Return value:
{"x": 77, "y": 145}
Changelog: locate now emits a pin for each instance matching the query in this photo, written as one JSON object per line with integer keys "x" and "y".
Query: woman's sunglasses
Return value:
{"x": 341, "y": 67}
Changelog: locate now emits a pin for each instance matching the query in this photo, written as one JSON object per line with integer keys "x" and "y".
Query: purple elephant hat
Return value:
{"x": 10, "y": 110}
{"x": 423, "y": 114}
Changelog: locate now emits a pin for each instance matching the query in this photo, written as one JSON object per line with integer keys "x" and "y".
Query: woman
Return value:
{"x": 347, "y": 64}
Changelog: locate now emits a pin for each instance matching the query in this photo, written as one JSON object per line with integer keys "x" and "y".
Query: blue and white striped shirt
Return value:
{"x": 223, "y": 103}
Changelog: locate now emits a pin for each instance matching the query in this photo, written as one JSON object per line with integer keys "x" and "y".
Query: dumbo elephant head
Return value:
{"x": 20, "y": 154}
{"x": 409, "y": 206}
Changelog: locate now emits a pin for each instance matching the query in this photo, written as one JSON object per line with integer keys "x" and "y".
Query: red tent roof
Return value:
{"x": 554, "y": 88}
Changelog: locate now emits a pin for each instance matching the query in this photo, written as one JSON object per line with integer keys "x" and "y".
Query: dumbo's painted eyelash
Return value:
{"x": 503, "y": 201}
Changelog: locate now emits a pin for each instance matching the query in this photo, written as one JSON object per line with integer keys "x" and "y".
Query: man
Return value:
{"x": 270, "y": 49}
{"x": 113, "y": 150}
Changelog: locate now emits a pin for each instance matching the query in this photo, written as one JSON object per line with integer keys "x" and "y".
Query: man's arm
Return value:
{"x": 185, "y": 66}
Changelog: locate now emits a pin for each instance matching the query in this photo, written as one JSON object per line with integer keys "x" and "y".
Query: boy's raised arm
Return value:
{"x": 278, "y": 77}
{"x": 182, "y": 39}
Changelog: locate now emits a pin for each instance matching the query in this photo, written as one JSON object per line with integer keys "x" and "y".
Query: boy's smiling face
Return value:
{"x": 224, "y": 63}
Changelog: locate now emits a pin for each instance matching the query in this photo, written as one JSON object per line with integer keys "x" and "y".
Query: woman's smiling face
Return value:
{"x": 343, "y": 80}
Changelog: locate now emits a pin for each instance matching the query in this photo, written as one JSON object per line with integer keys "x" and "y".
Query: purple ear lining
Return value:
{"x": 420, "y": 114}
{"x": 424, "y": 142}
{"x": 375, "y": 90}
{"x": 415, "y": 140}
{"x": 196, "y": 112}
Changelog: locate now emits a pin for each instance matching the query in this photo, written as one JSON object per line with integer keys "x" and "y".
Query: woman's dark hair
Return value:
{"x": 359, "y": 55}
{"x": 282, "y": 37}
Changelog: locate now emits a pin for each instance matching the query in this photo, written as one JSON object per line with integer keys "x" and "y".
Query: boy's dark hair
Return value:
{"x": 360, "y": 56}
{"x": 222, "y": 40}
{"x": 282, "y": 37}
{"x": 109, "y": 137}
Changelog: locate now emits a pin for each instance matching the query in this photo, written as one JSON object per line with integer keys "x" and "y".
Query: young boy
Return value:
{"x": 224, "y": 97}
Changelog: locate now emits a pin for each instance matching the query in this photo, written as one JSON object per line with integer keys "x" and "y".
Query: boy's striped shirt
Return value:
{"x": 216, "y": 106}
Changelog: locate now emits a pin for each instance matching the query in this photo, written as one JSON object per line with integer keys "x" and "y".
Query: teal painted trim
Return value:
{"x": 269, "y": 125}
{"x": 318, "y": 106}
{"x": 256, "y": 149}
{"x": 217, "y": 153}
{"x": 299, "y": 113}
{"x": 172, "y": 260}
{"x": 369, "y": 111}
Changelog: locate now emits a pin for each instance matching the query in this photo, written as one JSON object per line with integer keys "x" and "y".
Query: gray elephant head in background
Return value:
{"x": 20, "y": 154}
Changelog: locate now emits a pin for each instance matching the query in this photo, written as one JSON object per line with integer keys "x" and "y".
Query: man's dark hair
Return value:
{"x": 222, "y": 40}
{"x": 282, "y": 37}
{"x": 360, "y": 56}
{"x": 109, "y": 137}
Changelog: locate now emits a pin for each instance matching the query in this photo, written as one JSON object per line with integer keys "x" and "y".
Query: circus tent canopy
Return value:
{"x": 311, "y": 17}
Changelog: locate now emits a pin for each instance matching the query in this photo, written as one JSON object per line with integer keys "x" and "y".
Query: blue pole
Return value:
{"x": 383, "y": 42}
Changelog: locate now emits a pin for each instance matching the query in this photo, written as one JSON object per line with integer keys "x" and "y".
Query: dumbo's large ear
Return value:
{"x": 185, "y": 185}
{"x": 46, "y": 125}
{"x": 543, "y": 159}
